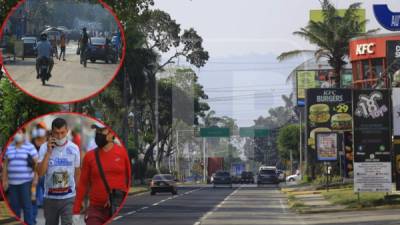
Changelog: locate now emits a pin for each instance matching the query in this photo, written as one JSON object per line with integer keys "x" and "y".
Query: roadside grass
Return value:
{"x": 138, "y": 189}
{"x": 348, "y": 198}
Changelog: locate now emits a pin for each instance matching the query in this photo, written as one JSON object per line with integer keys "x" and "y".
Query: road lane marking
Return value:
{"x": 155, "y": 204}
{"x": 209, "y": 213}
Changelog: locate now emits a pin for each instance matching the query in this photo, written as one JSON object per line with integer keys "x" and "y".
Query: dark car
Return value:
{"x": 267, "y": 176}
{"x": 163, "y": 183}
{"x": 100, "y": 49}
{"x": 222, "y": 178}
{"x": 247, "y": 177}
{"x": 30, "y": 44}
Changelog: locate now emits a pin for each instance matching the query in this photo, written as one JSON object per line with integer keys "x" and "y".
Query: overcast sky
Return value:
{"x": 243, "y": 39}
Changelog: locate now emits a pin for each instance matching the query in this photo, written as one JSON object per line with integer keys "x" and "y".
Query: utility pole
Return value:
{"x": 300, "y": 146}
{"x": 204, "y": 161}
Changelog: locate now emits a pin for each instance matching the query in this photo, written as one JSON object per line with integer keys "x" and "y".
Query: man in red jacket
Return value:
{"x": 115, "y": 163}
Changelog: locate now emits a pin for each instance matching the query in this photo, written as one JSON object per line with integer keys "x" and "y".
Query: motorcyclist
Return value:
{"x": 84, "y": 42}
{"x": 44, "y": 50}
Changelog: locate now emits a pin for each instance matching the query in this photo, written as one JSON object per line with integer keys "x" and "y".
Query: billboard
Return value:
{"x": 372, "y": 141}
{"x": 306, "y": 79}
{"x": 328, "y": 109}
{"x": 317, "y": 15}
{"x": 386, "y": 18}
{"x": 393, "y": 61}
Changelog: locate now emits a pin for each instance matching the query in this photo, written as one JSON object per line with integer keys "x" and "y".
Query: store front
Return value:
{"x": 372, "y": 60}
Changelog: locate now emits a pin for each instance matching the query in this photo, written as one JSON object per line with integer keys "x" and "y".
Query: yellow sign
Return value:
{"x": 305, "y": 80}
{"x": 317, "y": 15}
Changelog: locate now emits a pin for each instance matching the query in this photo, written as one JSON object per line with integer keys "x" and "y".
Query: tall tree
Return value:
{"x": 331, "y": 35}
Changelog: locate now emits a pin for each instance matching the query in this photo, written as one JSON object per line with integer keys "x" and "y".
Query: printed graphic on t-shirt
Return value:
{"x": 60, "y": 184}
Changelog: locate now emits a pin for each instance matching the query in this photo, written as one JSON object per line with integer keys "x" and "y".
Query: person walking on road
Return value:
{"x": 83, "y": 46}
{"x": 62, "y": 46}
{"x": 105, "y": 178}
{"x": 59, "y": 163}
{"x": 19, "y": 165}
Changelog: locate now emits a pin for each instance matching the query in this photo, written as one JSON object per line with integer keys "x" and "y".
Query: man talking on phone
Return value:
{"x": 59, "y": 163}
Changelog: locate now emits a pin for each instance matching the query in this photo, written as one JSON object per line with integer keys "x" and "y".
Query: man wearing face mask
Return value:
{"x": 115, "y": 167}
{"x": 59, "y": 163}
{"x": 19, "y": 165}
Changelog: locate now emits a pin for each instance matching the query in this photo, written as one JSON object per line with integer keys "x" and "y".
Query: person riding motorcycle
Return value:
{"x": 44, "y": 51}
{"x": 83, "y": 45}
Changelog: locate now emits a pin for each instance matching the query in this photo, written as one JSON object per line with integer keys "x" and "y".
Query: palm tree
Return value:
{"x": 331, "y": 35}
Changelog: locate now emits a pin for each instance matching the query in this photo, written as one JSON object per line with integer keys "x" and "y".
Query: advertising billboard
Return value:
{"x": 328, "y": 109}
{"x": 393, "y": 61}
{"x": 372, "y": 141}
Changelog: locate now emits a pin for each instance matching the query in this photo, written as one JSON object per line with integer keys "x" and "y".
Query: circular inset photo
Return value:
{"x": 62, "y": 51}
{"x": 65, "y": 167}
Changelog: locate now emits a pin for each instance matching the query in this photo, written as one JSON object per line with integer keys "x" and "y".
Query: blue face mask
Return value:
{"x": 18, "y": 138}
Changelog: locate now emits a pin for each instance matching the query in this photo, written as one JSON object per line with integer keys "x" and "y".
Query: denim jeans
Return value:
{"x": 19, "y": 197}
{"x": 39, "y": 199}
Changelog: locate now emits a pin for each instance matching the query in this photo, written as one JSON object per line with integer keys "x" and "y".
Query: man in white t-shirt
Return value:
{"x": 59, "y": 163}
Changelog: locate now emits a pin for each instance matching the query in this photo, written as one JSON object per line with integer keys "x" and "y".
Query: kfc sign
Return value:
{"x": 364, "y": 49}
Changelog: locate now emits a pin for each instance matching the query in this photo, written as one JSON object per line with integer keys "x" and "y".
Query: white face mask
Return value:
{"x": 60, "y": 142}
{"x": 18, "y": 138}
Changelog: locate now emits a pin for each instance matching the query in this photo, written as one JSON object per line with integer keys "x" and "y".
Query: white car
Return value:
{"x": 292, "y": 178}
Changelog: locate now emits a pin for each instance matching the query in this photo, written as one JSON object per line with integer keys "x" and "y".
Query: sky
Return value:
{"x": 242, "y": 78}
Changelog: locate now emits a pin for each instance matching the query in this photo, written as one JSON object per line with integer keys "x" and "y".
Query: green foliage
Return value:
{"x": 331, "y": 35}
{"x": 288, "y": 140}
{"x": 321, "y": 180}
{"x": 16, "y": 108}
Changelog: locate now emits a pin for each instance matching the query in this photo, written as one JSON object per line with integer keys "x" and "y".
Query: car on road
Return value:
{"x": 30, "y": 44}
{"x": 163, "y": 183}
{"x": 293, "y": 178}
{"x": 222, "y": 178}
{"x": 247, "y": 177}
{"x": 267, "y": 175}
{"x": 99, "y": 49}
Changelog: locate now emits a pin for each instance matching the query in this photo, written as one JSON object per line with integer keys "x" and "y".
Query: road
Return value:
{"x": 244, "y": 205}
{"x": 70, "y": 81}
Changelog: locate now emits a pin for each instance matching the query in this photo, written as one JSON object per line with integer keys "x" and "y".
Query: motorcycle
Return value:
{"x": 44, "y": 69}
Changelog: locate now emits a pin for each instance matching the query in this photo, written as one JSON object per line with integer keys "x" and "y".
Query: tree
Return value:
{"x": 331, "y": 35}
{"x": 16, "y": 108}
{"x": 288, "y": 143}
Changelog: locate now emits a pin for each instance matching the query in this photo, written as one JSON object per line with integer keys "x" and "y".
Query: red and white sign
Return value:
{"x": 365, "y": 49}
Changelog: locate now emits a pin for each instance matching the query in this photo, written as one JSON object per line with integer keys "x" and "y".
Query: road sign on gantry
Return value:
{"x": 253, "y": 132}
{"x": 215, "y": 132}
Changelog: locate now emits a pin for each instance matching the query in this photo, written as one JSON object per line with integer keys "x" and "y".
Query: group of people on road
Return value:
{"x": 45, "y": 170}
{"x": 47, "y": 48}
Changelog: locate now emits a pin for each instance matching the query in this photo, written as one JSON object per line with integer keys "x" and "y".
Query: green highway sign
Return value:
{"x": 215, "y": 132}
{"x": 253, "y": 132}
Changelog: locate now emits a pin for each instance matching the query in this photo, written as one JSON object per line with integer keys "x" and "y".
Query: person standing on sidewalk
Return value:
{"x": 19, "y": 165}
{"x": 59, "y": 163}
{"x": 105, "y": 178}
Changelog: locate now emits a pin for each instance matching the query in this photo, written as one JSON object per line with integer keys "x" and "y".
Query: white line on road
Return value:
{"x": 208, "y": 214}
{"x": 155, "y": 204}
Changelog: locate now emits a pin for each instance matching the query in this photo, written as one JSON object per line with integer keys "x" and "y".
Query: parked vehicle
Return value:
{"x": 30, "y": 50}
{"x": 99, "y": 49}
{"x": 247, "y": 177}
{"x": 222, "y": 178}
{"x": 293, "y": 178}
{"x": 163, "y": 183}
{"x": 267, "y": 176}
